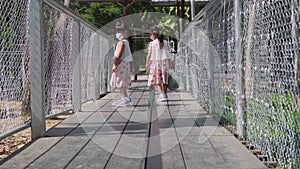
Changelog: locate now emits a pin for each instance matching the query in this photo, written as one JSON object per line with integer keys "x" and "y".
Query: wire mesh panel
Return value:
{"x": 270, "y": 54}
{"x": 87, "y": 69}
{"x": 14, "y": 59}
{"x": 271, "y": 50}
{"x": 105, "y": 58}
{"x": 96, "y": 55}
{"x": 58, "y": 67}
{"x": 60, "y": 36}
{"x": 192, "y": 65}
{"x": 221, "y": 35}
{"x": 93, "y": 49}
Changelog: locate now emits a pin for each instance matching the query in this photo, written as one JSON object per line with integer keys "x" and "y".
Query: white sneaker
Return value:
{"x": 124, "y": 102}
{"x": 162, "y": 97}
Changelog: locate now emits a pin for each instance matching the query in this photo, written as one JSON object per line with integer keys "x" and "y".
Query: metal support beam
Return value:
{"x": 239, "y": 71}
{"x": 210, "y": 70}
{"x": 96, "y": 61}
{"x": 76, "y": 66}
{"x": 192, "y": 9}
{"x": 37, "y": 76}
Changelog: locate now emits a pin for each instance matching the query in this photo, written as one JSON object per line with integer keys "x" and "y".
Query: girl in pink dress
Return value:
{"x": 158, "y": 62}
{"x": 121, "y": 76}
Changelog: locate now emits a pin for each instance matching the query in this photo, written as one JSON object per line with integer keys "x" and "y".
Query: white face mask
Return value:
{"x": 119, "y": 36}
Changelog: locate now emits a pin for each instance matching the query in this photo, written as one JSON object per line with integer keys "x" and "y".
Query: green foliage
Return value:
{"x": 8, "y": 38}
{"x": 228, "y": 113}
{"x": 103, "y": 13}
{"x": 273, "y": 116}
{"x": 100, "y": 14}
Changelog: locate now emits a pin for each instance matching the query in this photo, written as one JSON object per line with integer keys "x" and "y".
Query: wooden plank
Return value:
{"x": 130, "y": 151}
{"x": 184, "y": 113}
{"x": 57, "y": 157}
{"x": 234, "y": 153}
{"x": 185, "y": 117}
{"x": 32, "y": 152}
{"x": 75, "y": 119}
{"x": 164, "y": 149}
{"x": 102, "y": 143}
{"x": 91, "y": 156}
{"x": 200, "y": 155}
{"x": 103, "y": 136}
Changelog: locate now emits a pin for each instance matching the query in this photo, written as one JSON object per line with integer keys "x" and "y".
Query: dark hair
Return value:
{"x": 120, "y": 27}
{"x": 156, "y": 30}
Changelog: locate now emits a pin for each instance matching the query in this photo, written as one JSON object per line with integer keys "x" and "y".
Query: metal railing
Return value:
{"x": 242, "y": 63}
{"x": 52, "y": 61}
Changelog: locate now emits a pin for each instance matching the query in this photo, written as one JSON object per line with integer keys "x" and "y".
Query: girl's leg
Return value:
{"x": 125, "y": 100}
{"x": 123, "y": 92}
{"x": 162, "y": 92}
{"x": 159, "y": 88}
{"x": 162, "y": 88}
{"x": 165, "y": 88}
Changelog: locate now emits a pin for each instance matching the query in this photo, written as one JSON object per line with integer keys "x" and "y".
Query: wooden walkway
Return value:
{"x": 177, "y": 134}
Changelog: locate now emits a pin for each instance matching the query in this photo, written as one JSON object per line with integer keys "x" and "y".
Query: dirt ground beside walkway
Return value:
{"x": 20, "y": 139}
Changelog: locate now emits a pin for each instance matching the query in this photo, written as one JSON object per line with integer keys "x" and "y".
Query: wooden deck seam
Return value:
{"x": 115, "y": 147}
{"x": 149, "y": 127}
{"x": 63, "y": 138}
{"x": 179, "y": 144}
{"x": 91, "y": 138}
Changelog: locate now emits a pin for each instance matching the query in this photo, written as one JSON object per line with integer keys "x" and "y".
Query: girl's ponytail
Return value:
{"x": 155, "y": 30}
{"x": 161, "y": 40}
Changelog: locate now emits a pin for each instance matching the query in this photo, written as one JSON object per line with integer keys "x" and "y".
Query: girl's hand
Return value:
{"x": 147, "y": 65}
{"x": 114, "y": 68}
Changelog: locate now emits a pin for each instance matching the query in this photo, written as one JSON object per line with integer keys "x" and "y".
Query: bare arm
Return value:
{"x": 118, "y": 56}
{"x": 119, "y": 53}
{"x": 149, "y": 55}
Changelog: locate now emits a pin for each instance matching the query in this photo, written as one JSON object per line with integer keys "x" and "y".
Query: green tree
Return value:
{"x": 100, "y": 14}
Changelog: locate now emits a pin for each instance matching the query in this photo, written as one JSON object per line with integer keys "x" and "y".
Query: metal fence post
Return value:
{"x": 210, "y": 71}
{"x": 36, "y": 47}
{"x": 192, "y": 9}
{"x": 239, "y": 70}
{"x": 76, "y": 65}
{"x": 249, "y": 80}
{"x": 295, "y": 33}
{"x": 96, "y": 57}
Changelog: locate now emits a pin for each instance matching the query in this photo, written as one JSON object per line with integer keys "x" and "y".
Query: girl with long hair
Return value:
{"x": 158, "y": 62}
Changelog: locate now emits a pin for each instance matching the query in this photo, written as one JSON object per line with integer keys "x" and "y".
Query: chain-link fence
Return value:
{"x": 75, "y": 62}
{"x": 14, "y": 83}
{"x": 57, "y": 61}
{"x": 266, "y": 65}
{"x": 93, "y": 49}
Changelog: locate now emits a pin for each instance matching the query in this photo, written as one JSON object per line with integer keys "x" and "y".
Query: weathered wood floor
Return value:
{"x": 177, "y": 134}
